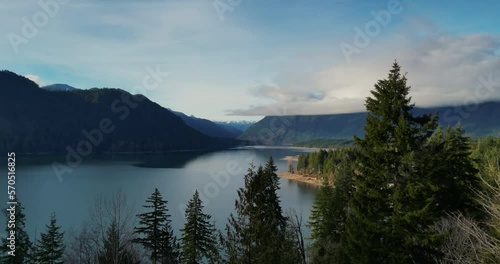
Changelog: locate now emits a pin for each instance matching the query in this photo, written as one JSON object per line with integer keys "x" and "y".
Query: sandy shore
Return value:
{"x": 300, "y": 178}
{"x": 291, "y": 158}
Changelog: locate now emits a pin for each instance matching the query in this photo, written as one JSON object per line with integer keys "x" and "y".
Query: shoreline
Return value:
{"x": 300, "y": 178}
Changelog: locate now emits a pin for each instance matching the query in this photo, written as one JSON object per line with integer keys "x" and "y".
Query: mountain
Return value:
{"x": 239, "y": 125}
{"x": 230, "y": 128}
{"x": 208, "y": 127}
{"x": 59, "y": 87}
{"x": 479, "y": 120}
{"x": 34, "y": 120}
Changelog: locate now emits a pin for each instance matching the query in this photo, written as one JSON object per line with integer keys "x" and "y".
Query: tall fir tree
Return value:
{"x": 155, "y": 233}
{"x": 330, "y": 209}
{"x": 269, "y": 222}
{"x": 392, "y": 136}
{"x": 411, "y": 174}
{"x": 24, "y": 250}
{"x": 50, "y": 247}
{"x": 114, "y": 252}
{"x": 257, "y": 233}
{"x": 321, "y": 223}
{"x": 456, "y": 194}
{"x": 238, "y": 240}
{"x": 199, "y": 241}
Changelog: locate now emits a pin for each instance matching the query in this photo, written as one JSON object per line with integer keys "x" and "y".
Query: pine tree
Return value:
{"x": 155, "y": 232}
{"x": 456, "y": 193}
{"x": 392, "y": 136}
{"x": 330, "y": 210}
{"x": 198, "y": 235}
{"x": 269, "y": 222}
{"x": 169, "y": 246}
{"x": 50, "y": 247}
{"x": 238, "y": 241}
{"x": 321, "y": 224}
{"x": 24, "y": 247}
{"x": 258, "y": 232}
{"x": 114, "y": 252}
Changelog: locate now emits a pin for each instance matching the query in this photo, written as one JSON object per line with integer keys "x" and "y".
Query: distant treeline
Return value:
{"x": 325, "y": 143}
{"x": 324, "y": 162}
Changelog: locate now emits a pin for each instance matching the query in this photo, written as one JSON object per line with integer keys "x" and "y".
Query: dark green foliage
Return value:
{"x": 24, "y": 251}
{"x": 199, "y": 241}
{"x": 409, "y": 177}
{"x": 392, "y": 134}
{"x": 35, "y": 120}
{"x": 486, "y": 152}
{"x": 323, "y": 163}
{"x": 50, "y": 247}
{"x": 456, "y": 176}
{"x": 114, "y": 252}
{"x": 155, "y": 232}
{"x": 258, "y": 232}
{"x": 331, "y": 208}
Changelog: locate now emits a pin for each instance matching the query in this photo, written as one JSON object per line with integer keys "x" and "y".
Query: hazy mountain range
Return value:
{"x": 59, "y": 118}
{"x": 477, "y": 120}
{"x": 209, "y": 128}
{"x": 34, "y": 120}
{"x": 240, "y": 125}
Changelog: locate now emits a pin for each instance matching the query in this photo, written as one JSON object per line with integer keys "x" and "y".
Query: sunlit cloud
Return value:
{"x": 35, "y": 78}
{"x": 442, "y": 69}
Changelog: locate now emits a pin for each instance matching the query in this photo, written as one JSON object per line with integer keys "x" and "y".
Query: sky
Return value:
{"x": 244, "y": 59}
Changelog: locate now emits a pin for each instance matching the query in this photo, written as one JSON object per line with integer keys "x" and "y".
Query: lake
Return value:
{"x": 216, "y": 175}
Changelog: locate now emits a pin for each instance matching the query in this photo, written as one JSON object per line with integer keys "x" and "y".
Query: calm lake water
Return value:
{"x": 216, "y": 175}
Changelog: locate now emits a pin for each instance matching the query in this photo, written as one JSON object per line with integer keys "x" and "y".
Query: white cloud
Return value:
{"x": 35, "y": 78}
{"x": 442, "y": 69}
{"x": 208, "y": 58}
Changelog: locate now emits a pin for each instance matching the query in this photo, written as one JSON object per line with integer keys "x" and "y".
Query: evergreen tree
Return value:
{"x": 169, "y": 247}
{"x": 50, "y": 247}
{"x": 239, "y": 241}
{"x": 321, "y": 224}
{"x": 198, "y": 235}
{"x": 456, "y": 189}
{"x": 330, "y": 210}
{"x": 269, "y": 222}
{"x": 155, "y": 232}
{"x": 23, "y": 248}
{"x": 301, "y": 164}
{"x": 392, "y": 138}
{"x": 114, "y": 252}
{"x": 258, "y": 232}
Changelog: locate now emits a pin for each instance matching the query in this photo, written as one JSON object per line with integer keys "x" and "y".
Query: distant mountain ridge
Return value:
{"x": 239, "y": 125}
{"x": 289, "y": 130}
{"x": 59, "y": 87}
{"x": 34, "y": 120}
{"x": 204, "y": 126}
{"x": 208, "y": 127}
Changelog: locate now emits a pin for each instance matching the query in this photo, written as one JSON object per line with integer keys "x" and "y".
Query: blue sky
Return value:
{"x": 257, "y": 58}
